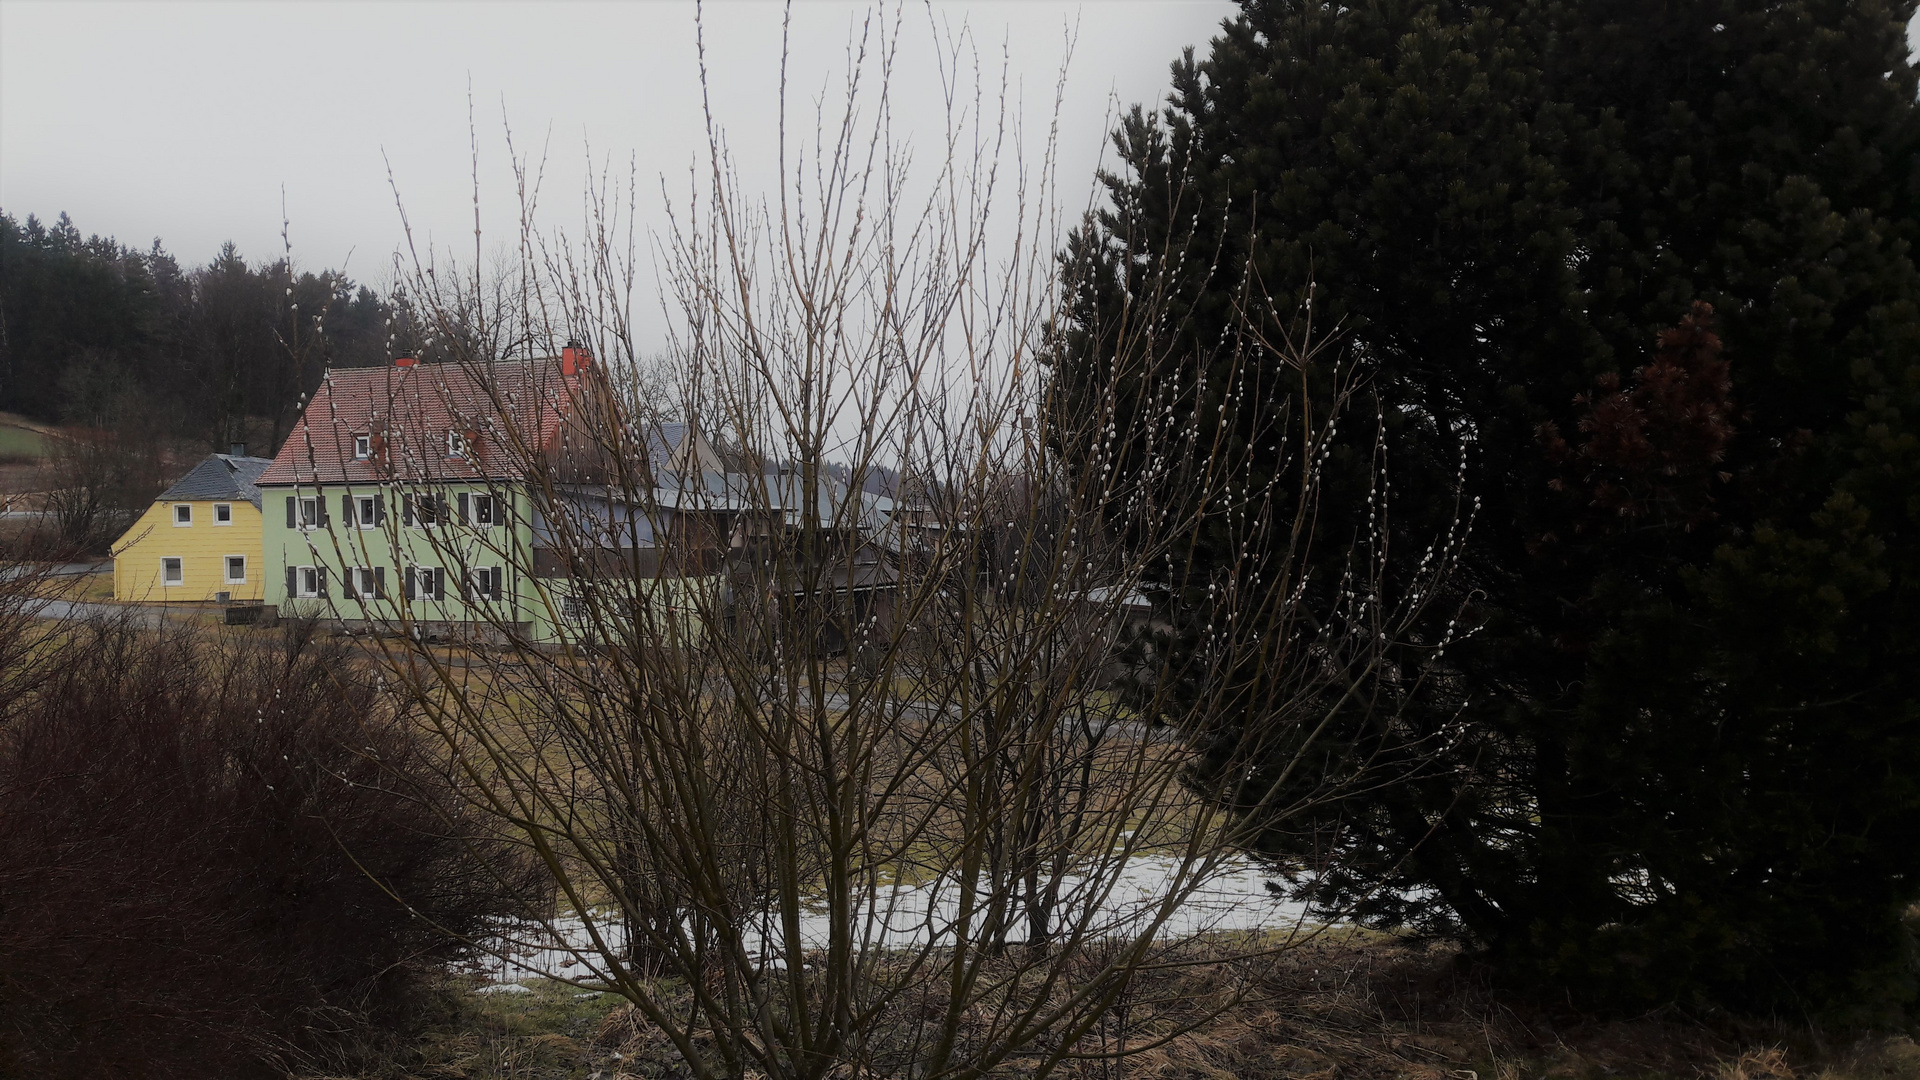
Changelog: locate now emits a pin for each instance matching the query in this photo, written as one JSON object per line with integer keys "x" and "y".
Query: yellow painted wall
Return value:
{"x": 203, "y": 548}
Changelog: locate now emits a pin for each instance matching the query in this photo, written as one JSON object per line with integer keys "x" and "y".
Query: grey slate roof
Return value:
{"x": 222, "y": 477}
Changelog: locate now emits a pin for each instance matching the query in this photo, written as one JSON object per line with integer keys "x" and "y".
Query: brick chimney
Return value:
{"x": 404, "y": 361}
{"x": 574, "y": 359}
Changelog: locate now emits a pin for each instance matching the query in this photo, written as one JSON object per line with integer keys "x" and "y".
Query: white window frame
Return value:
{"x": 366, "y": 513}
{"x": 365, "y": 586}
{"x": 480, "y": 582}
{"x": 179, "y": 509}
{"x": 308, "y": 512}
{"x": 431, "y": 501}
{"x": 456, "y": 444}
{"x": 180, "y": 563}
{"x": 306, "y": 581}
{"x": 428, "y": 572}
{"x": 226, "y": 569}
{"x": 217, "y": 507}
{"x": 362, "y": 447}
{"x": 484, "y": 498}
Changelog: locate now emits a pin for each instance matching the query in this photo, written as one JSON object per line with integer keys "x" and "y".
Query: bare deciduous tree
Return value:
{"x": 828, "y": 764}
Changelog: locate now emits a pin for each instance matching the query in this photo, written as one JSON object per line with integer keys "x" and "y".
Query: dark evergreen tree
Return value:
{"x": 1681, "y": 719}
{"x": 91, "y": 330}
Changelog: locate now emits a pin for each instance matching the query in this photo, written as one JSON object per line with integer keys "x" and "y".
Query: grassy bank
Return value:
{"x": 1363, "y": 1006}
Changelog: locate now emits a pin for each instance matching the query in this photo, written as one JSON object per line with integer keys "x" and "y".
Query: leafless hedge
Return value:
{"x": 829, "y": 767}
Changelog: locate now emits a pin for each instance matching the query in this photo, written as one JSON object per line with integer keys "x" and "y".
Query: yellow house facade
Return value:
{"x": 199, "y": 541}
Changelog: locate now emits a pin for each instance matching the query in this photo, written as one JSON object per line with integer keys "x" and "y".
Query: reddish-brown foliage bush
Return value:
{"x": 189, "y": 833}
{"x": 1650, "y": 454}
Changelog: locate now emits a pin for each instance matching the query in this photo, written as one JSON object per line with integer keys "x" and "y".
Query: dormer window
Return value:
{"x": 362, "y": 447}
{"x": 456, "y": 444}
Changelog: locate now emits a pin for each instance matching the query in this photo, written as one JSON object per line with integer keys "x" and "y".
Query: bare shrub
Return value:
{"x": 828, "y": 762}
{"x": 101, "y": 479}
{"x": 197, "y": 839}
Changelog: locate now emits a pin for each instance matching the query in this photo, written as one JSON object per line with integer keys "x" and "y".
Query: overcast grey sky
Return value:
{"x": 184, "y": 121}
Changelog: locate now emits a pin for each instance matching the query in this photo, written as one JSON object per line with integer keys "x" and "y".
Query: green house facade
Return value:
{"x": 400, "y": 501}
{"x": 445, "y": 557}
{"x": 403, "y": 503}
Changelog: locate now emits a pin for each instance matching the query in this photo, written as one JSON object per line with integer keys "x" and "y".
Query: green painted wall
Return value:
{"x": 342, "y": 542}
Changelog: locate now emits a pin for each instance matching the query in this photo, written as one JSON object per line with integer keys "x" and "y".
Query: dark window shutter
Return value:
{"x": 346, "y": 508}
{"x": 379, "y": 583}
{"x": 439, "y": 509}
{"x": 413, "y": 584}
{"x": 348, "y": 588}
{"x": 320, "y": 507}
{"x": 466, "y": 586}
{"x": 379, "y": 509}
{"x": 466, "y": 508}
{"x": 320, "y": 581}
{"x": 293, "y": 575}
{"x": 292, "y": 521}
{"x": 406, "y": 515}
{"x": 493, "y": 584}
{"x": 439, "y": 583}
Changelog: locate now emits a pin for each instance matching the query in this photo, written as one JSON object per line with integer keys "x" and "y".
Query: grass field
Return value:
{"x": 21, "y": 440}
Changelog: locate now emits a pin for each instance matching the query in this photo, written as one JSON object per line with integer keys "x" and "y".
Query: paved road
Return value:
{"x": 73, "y": 569}
{"x": 1102, "y": 726}
{"x": 80, "y": 610}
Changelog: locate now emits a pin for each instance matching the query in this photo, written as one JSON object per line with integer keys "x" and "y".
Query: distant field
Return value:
{"x": 21, "y": 439}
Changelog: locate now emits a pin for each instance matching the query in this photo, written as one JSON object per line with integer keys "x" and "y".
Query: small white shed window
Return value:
{"x": 172, "y": 570}
{"x": 456, "y": 445}
{"x": 362, "y": 447}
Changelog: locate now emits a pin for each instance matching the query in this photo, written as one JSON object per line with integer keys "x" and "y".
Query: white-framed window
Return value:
{"x": 456, "y": 444}
{"x": 236, "y": 569}
{"x": 423, "y": 510}
{"x": 223, "y": 513}
{"x": 572, "y": 609}
{"x": 484, "y": 583}
{"x": 308, "y": 580}
{"x": 426, "y": 583}
{"x": 362, "y": 447}
{"x": 309, "y": 511}
{"x": 485, "y": 513}
{"x": 366, "y": 511}
{"x": 173, "y": 570}
{"x": 369, "y": 582}
{"x": 182, "y": 515}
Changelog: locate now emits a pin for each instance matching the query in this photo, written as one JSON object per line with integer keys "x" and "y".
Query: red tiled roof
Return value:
{"x": 407, "y": 411}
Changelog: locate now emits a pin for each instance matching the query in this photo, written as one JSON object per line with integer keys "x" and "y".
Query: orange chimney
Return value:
{"x": 404, "y": 361}
{"x": 574, "y": 359}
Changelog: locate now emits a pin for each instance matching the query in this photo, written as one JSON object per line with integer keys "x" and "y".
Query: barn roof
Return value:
{"x": 407, "y": 413}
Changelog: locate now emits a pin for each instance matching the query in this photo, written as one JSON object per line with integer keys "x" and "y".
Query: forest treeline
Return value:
{"x": 96, "y": 333}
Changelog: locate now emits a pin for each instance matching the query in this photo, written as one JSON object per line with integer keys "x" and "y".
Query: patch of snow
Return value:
{"x": 1233, "y": 897}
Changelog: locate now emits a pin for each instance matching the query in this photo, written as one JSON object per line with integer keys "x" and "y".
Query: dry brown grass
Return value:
{"x": 1360, "y": 1006}
{"x": 1351, "y": 1006}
